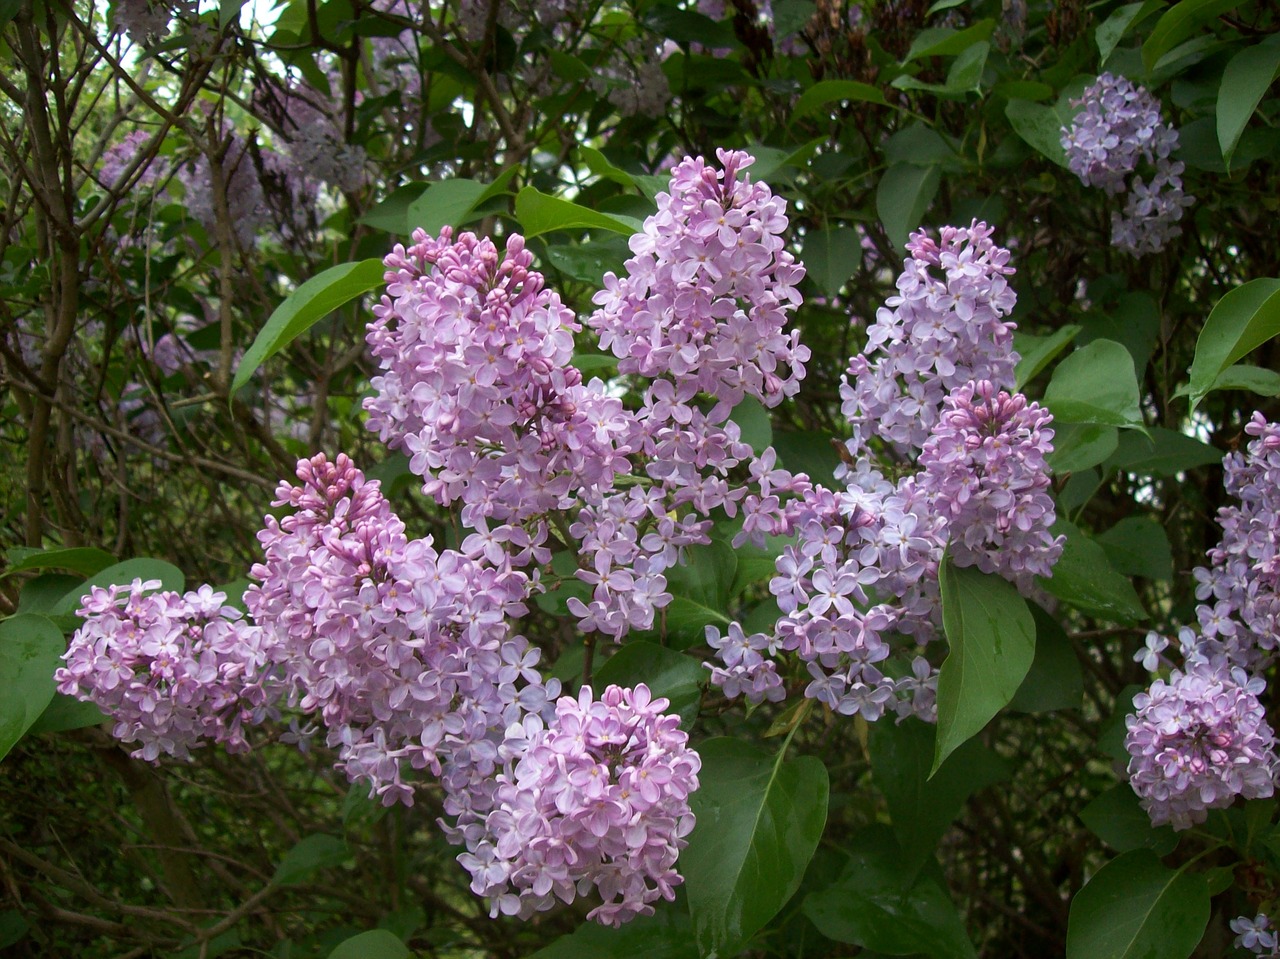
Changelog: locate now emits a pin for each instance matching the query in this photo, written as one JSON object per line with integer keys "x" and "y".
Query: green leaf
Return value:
{"x": 1139, "y": 546}
{"x": 391, "y": 214}
{"x": 442, "y": 204}
{"x": 755, "y": 423}
{"x": 880, "y": 906}
{"x": 1117, "y": 26}
{"x": 1164, "y": 452}
{"x": 835, "y": 91}
{"x": 1137, "y": 908}
{"x": 1178, "y": 23}
{"x": 671, "y": 675}
{"x": 1037, "y": 352}
{"x": 41, "y": 595}
{"x": 540, "y": 213}
{"x": 86, "y": 560}
{"x": 31, "y": 648}
{"x": 946, "y": 42}
{"x": 1241, "y": 321}
{"x": 122, "y": 574}
{"x": 759, "y": 821}
{"x": 965, "y": 75}
{"x": 831, "y": 257}
{"x": 64, "y": 713}
{"x": 304, "y": 307}
{"x": 590, "y": 260}
{"x": 992, "y": 641}
{"x": 668, "y": 934}
{"x": 1118, "y": 819}
{"x": 311, "y": 854}
{"x": 374, "y": 944}
{"x": 1244, "y": 82}
{"x": 701, "y": 589}
{"x": 1253, "y": 379}
{"x": 902, "y": 197}
{"x": 922, "y": 807}
{"x": 1096, "y": 384}
{"x": 1078, "y": 446}
{"x": 228, "y": 10}
{"x": 1132, "y": 320}
{"x": 808, "y": 451}
{"x": 1040, "y": 128}
{"x": 1084, "y": 578}
{"x": 1055, "y": 680}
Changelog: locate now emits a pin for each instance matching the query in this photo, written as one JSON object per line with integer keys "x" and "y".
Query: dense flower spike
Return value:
{"x": 944, "y": 327}
{"x": 708, "y": 291}
{"x": 406, "y": 653}
{"x": 171, "y": 670}
{"x": 598, "y": 798}
{"x": 1120, "y": 126}
{"x": 1197, "y": 742}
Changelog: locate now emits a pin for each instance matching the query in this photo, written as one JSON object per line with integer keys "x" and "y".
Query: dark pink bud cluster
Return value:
{"x": 171, "y": 670}
{"x": 598, "y": 799}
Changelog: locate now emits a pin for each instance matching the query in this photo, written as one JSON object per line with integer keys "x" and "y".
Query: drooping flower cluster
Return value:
{"x": 864, "y": 567}
{"x": 598, "y": 798}
{"x": 937, "y": 333}
{"x": 1257, "y": 935}
{"x": 170, "y": 669}
{"x": 405, "y": 652}
{"x": 1119, "y": 127}
{"x": 1198, "y": 741}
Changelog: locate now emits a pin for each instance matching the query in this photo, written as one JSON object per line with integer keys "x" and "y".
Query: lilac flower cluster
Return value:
{"x": 937, "y": 333}
{"x": 118, "y": 158}
{"x": 1120, "y": 126}
{"x": 599, "y": 797}
{"x": 308, "y": 121}
{"x": 406, "y": 653}
{"x": 1198, "y": 741}
{"x": 864, "y": 567}
{"x": 170, "y": 669}
{"x": 1257, "y": 935}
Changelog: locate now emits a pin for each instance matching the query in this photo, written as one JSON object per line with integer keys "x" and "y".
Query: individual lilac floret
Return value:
{"x": 1119, "y": 125}
{"x": 708, "y": 291}
{"x": 598, "y": 798}
{"x": 944, "y": 328}
{"x": 984, "y": 470}
{"x": 1197, "y": 742}
{"x": 171, "y": 670}
{"x": 406, "y": 653}
{"x": 1240, "y": 588}
{"x": 1257, "y": 935}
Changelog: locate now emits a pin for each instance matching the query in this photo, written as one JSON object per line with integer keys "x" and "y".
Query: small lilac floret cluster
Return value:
{"x": 1227, "y": 748}
{"x": 405, "y": 653}
{"x": 1257, "y": 935}
{"x": 1197, "y": 742}
{"x": 598, "y": 798}
{"x": 170, "y": 669}
{"x": 945, "y": 327}
{"x": 864, "y": 567}
{"x": 1119, "y": 127}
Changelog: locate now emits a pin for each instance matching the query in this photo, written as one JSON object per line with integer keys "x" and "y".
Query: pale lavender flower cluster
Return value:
{"x": 1119, "y": 127}
{"x": 308, "y": 122}
{"x": 170, "y": 669}
{"x": 121, "y": 156}
{"x": 1257, "y": 935}
{"x": 597, "y": 798}
{"x": 708, "y": 291}
{"x": 864, "y": 567}
{"x": 944, "y": 328}
{"x": 1198, "y": 741}
{"x": 406, "y": 653}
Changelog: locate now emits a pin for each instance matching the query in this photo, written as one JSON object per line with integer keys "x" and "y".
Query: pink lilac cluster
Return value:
{"x": 944, "y": 328}
{"x": 1198, "y": 741}
{"x": 405, "y": 652}
{"x": 1119, "y": 127}
{"x": 709, "y": 290}
{"x": 1256, "y": 935}
{"x": 596, "y": 799}
{"x": 477, "y": 387}
{"x": 864, "y": 567}
{"x": 171, "y": 670}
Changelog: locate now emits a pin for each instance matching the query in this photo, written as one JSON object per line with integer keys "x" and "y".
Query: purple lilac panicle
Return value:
{"x": 598, "y": 798}
{"x": 1197, "y": 742}
{"x": 170, "y": 669}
